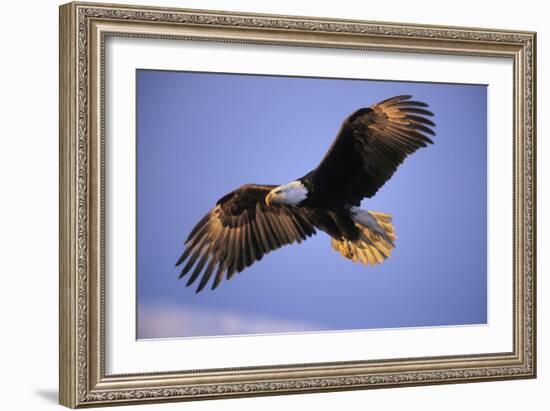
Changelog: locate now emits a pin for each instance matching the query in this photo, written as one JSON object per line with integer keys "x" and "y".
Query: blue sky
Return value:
{"x": 201, "y": 135}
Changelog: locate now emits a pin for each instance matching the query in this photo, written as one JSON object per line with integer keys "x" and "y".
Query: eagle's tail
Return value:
{"x": 375, "y": 242}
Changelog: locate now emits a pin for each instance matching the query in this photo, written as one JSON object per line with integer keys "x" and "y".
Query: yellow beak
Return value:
{"x": 269, "y": 198}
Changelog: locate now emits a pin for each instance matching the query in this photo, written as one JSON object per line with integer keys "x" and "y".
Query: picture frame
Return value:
{"x": 86, "y": 28}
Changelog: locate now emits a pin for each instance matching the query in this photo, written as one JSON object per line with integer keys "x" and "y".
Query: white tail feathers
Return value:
{"x": 375, "y": 242}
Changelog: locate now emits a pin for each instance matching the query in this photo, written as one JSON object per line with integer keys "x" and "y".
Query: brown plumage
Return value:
{"x": 371, "y": 144}
{"x": 254, "y": 220}
{"x": 240, "y": 230}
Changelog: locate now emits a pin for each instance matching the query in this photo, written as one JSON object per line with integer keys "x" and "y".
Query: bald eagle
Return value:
{"x": 256, "y": 219}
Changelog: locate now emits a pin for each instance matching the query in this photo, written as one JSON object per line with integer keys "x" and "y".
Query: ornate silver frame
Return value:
{"x": 83, "y": 30}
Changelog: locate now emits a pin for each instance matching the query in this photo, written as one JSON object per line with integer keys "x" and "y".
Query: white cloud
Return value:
{"x": 170, "y": 321}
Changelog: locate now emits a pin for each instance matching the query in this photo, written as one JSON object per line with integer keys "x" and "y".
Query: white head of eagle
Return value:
{"x": 292, "y": 193}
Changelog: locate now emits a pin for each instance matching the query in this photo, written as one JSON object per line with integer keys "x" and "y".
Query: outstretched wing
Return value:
{"x": 371, "y": 144}
{"x": 240, "y": 230}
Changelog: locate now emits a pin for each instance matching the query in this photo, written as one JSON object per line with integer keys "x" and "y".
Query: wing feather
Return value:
{"x": 369, "y": 148}
{"x": 198, "y": 267}
{"x": 207, "y": 274}
{"x": 275, "y": 236}
{"x": 262, "y": 233}
{"x": 219, "y": 276}
{"x": 239, "y": 231}
{"x": 277, "y": 221}
{"x": 195, "y": 254}
{"x": 239, "y": 248}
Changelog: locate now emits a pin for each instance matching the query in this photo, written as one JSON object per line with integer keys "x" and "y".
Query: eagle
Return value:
{"x": 255, "y": 219}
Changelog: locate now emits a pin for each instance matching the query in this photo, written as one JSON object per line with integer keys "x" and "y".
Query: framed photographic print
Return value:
{"x": 259, "y": 204}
